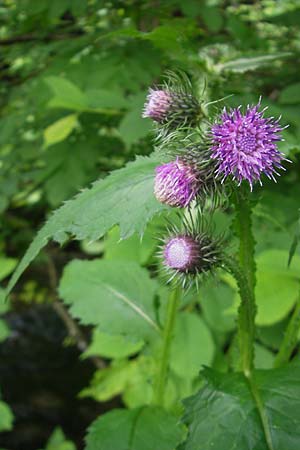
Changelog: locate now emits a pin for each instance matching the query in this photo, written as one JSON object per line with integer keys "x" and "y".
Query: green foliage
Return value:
{"x": 228, "y": 403}
{"x": 150, "y": 428}
{"x": 6, "y": 417}
{"x": 58, "y": 441}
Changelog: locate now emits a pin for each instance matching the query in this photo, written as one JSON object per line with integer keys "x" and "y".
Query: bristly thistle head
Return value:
{"x": 245, "y": 145}
{"x": 189, "y": 252}
{"x": 191, "y": 176}
{"x": 173, "y": 104}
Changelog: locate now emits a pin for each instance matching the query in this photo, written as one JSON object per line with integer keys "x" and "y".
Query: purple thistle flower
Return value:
{"x": 175, "y": 184}
{"x": 181, "y": 253}
{"x": 157, "y": 105}
{"x": 245, "y": 145}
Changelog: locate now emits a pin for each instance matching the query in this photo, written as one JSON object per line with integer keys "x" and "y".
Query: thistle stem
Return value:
{"x": 246, "y": 313}
{"x": 163, "y": 363}
{"x": 290, "y": 338}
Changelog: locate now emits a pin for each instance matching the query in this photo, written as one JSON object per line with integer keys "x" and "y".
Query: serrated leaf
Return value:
{"x": 125, "y": 198}
{"x": 115, "y": 296}
{"x": 224, "y": 413}
{"x": 6, "y": 417}
{"x": 60, "y": 130}
{"x": 241, "y": 65}
{"x": 192, "y": 346}
{"x": 146, "y": 428}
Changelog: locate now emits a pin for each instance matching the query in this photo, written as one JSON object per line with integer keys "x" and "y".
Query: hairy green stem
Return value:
{"x": 163, "y": 363}
{"x": 246, "y": 316}
{"x": 290, "y": 338}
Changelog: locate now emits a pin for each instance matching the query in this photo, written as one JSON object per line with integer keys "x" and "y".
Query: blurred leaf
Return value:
{"x": 290, "y": 94}
{"x": 100, "y": 98}
{"x": 116, "y": 296}
{"x": 125, "y": 198}
{"x": 58, "y": 441}
{"x": 264, "y": 358}
{"x": 111, "y": 346}
{"x": 66, "y": 94}
{"x": 7, "y": 265}
{"x": 6, "y": 417}
{"x": 147, "y": 428}
{"x": 226, "y": 404}
{"x": 60, "y": 130}
{"x": 4, "y": 330}
{"x": 241, "y": 65}
{"x": 187, "y": 357}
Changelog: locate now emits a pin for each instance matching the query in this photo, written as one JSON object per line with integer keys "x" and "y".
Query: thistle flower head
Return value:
{"x": 175, "y": 183}
{"x": 173, "y": 104}
{"x": 190, "y": 251}
{"x": 245, "y": 145}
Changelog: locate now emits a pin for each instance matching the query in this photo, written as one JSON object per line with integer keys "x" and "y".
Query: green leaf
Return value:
{"x": 111, "y": 346}
{"x": 116, "y": 296}
{"x": 192, "y": 345}
{"x": 6, "y": 417}
{"x": 58, "y": 441}
{"x": 224, "y": 414}
{"x": 60, "y": 129}
{"x": 133, "y": 126}
{"x": 290, "y": 94}
{"x": 100, "y": 98}
{"x": 146, "y": 428}
{"x": 125, "y": 198}
{"x": 66, "y": 94}
{"x": 242, "y": 65}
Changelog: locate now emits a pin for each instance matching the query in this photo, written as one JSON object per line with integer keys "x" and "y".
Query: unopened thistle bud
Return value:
{"x": 190, "y": 252}
{"x": 245, "y": 145}
{"x": 175, "y": 184}
{"x": 173, "y": 104}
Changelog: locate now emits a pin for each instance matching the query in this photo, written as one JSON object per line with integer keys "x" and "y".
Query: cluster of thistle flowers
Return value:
{"x": 238, "y": 145}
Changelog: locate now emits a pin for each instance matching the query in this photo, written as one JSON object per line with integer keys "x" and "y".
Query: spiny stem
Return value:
{"x": 247, "y": 310}
{"x": 290, "y": 338}
{"x": 163, "y": 364}
{"x": 246, "y": 313}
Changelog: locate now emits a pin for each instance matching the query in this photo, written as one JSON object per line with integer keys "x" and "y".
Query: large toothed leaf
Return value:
{"x": 117, "y": 296}
{"x": 147, "y": 428}
{"x": 125, "y": 197}
{"x": 225, "y": 413}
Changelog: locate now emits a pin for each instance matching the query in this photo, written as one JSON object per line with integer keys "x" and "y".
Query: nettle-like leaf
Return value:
{"x": 124, "y": 198}
{"x": 117, "y": 296}
{"x": 146, "y": 428}
{"x": 225, "y": 413}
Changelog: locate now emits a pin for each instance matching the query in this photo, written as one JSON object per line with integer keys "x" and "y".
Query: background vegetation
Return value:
{"x": 74, "y": 77}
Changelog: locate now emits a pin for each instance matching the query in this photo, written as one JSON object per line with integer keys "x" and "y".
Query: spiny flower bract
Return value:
{"x": 245, "y": 145}
{"x": 190, "y": 251}
{"x": 175, "y": 184}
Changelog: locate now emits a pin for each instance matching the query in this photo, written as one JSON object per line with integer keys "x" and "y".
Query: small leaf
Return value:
{"x": 7, "y": 265}
{"x": 116, "y": 296}
{"x": 60, "y": 130}
{"x": 125, "y": 198}
{"x": 111, "y": 346}
{"x": 58, "y": 441}
{"x": 146, "y": 428}
{"x": 4, "y": 330}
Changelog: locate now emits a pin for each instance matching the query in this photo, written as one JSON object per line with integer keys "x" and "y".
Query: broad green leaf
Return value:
{"x": 146, "y": 428}
{"x": 125, "y": 198}
{"x": 58, "y": 441}
{"x": 192, "y": 345}
{"x": 251, "y": 63}
{"x": 290, "y": 94}
{"x": 6, "y": 417}
{"x": 264, "y": 358}
{"x": 7, "y": 265}
{"x": 66, "y": 94}
{"x": 224, "y": 414}
{"x": 60, "y": 130}
{"x": 111, "y": 346}
{"x": 116, "y": 296}
{"x": 100, "y": 99}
